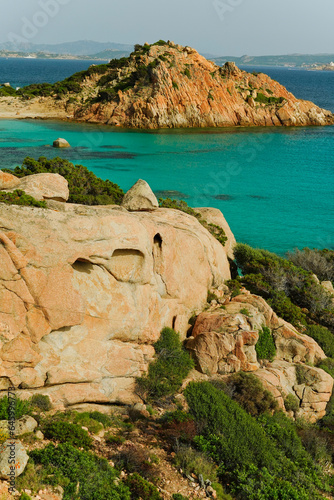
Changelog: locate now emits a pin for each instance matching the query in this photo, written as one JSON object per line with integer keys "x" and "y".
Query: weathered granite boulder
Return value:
{"x": 61, "y": 143}
{"x": 224, "y": 339}
{"x": 311, "y": 386}
{"x": 214, "y": 216}
{"x": 140, "y": 198}
{"x": 12, "y": 449}
{"x": 45, "y": 186}
{"x": 85, "y": 292}
{"x": 8, "y": 181}
{"x": 24, "y": 425}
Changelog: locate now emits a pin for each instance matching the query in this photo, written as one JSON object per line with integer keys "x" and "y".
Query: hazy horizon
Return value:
{"x": 219, "y": 27}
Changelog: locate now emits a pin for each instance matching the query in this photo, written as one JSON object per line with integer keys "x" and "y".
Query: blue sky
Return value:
{"x": 222, "y": 27}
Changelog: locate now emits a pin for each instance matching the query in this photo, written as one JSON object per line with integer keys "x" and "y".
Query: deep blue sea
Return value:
{"x": 274, "y": 185}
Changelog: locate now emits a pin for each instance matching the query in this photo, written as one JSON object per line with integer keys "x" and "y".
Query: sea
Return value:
{"x": 273, "y": 185}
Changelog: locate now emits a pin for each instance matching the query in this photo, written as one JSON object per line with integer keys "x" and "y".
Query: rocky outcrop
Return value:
{"x": 223, "y": 341}
{"x": 140, "y": 198}
{"x": 215, "y": 216}
{"x": 24, "y": 425}
{"x": 61, "y": 143}
{"x": 40, "y": 186}
{"x": 170, "y": 86}
{"x": 85, "y": 292}
{"x": 311, "y": 386}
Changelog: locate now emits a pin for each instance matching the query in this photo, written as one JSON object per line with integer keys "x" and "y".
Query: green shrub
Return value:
{"x": 265, "y": 346}
{"x": 319, "y": 262}
{"x": 66, "y": 432}
{"x": 166, "y": 374}
{"x": 291, "y": 403}
{"x": 245, "y": 311}
{"x": 84, "y": 186}
{"x": 68, "y": 467}
{"x": 105, "y": 420}
{"x": 136, "y": 460}
{"x": 211, "y": 296}
{"x": 195, "y": 462}
{"x": 248, "y": 391}
{"x": 327, "y": 365}
{"x": 41, "y": 402}
{"x": 175, "y": 85}
{"x": 178, "y": 496}
{"x": 323, "y": 336}
{"x": 112, "y": 439}
{"x": 257, "y": 459}
{"x": 19, "y": 197}
{"x": 234, "y": 286}
{"x": 187, "y": 73}
{"x": 22, "y": 407}
{"x": 141, "y": 489}
{"x": 84, "y": 419}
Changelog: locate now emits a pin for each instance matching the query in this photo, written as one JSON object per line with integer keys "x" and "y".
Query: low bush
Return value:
{"x": 82, "y": 474}
{"x": 19, "y": 197}
{"x": 84, "y": 186}
{"x": 327, "y": 365}
{"x": 291, "y": 403}
{"x": 136, "y": 460}
{"x": 141, "y": 489}
{"x": 165, "y": 374}
{"x": 66, "y": 432}
{"x": 178, "y": 496}
{"x": 323, "y": 336}
{"x": 248, "y": 391}
{"x": 104, "y": 419}
{"x": 21, "y": 407}
{"x": 319, "y": 262}
{"x": 41, "y": 402}
{"x": 196, "y": 462}
{"x": 265, "y": 346}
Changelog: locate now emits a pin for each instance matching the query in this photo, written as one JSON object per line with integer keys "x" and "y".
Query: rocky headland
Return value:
{"x": 165, "y": 85}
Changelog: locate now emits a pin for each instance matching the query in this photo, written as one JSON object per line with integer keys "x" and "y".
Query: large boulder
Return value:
{"x": 12, "y": 449}
{"x": 140, "y": 197}
{"x": 44, "y": 187}
{"x": 85, "y": 292}
{"x": 61, "y": 143}
{"x": 8, "y": 181}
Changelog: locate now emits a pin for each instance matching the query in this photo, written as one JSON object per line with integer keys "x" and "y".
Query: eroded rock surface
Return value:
{"x": 85, "y": 292}
{"x": 223, "y": 341}
{"x": 40, "y": 186}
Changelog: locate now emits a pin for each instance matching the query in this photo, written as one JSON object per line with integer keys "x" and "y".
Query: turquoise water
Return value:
{"x": 274, "y": 186}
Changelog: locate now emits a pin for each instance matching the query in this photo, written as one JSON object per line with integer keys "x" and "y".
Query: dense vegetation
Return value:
{"x": 84, "y": 186}
{"x": 292, "y": 291}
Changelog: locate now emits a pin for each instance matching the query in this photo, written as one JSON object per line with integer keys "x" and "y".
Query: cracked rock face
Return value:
{"x": 223, "y": 341}
{"x": 85, "y": 292}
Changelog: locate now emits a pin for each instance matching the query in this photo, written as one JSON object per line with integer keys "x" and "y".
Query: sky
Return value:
{"x": 219, "y": 27}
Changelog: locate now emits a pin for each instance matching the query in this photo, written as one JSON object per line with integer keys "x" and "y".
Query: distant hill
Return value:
{"x": 79, "y": 48}
{"x": 296, "y": 60}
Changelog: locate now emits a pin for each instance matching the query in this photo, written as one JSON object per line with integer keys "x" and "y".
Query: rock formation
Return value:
{"x": 61, "y": 143}
{"x": 85, "y": 292}
{"x": 39, "y": 186}
{"x": 140, "y": 198}
{"x": 169, "y": 86}
{"x": 223, "y": 341}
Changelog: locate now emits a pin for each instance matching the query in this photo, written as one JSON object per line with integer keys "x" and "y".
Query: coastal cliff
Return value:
{"x": 165, "y": 85}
